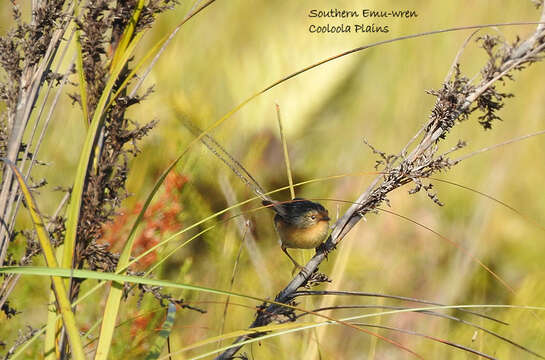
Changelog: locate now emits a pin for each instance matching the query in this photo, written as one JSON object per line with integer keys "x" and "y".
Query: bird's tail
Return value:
{"x": 275, "y": 205}
{"x": 233, "y": 164}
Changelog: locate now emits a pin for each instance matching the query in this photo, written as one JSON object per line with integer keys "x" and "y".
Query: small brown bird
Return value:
{"x": 300, "y": 224}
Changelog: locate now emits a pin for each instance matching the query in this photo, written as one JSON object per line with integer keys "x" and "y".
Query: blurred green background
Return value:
{"x": 237, "y": 48}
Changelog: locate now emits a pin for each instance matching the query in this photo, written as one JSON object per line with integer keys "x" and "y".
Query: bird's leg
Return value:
{"x": 292, "y": 259}
{"x": 297, "y": 266}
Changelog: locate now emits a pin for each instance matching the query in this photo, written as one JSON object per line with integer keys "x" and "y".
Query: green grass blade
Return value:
{"x": 127, "y": 35}
{"x": 108, "y": 321}
{"x": 51, "y": 330}
{"x": 58, "y": 285}
{"x": 53, "y": 323}
{"x": 96, "y": 275}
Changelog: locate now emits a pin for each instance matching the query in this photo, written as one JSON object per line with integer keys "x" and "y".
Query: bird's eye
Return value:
{"x": 313, "y": 217}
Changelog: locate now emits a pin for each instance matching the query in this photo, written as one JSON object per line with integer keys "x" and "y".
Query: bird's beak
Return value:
{"x": 326, "y": 218}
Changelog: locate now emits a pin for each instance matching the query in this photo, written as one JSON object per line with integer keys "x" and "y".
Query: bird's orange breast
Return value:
{"x": 302, "y": 238}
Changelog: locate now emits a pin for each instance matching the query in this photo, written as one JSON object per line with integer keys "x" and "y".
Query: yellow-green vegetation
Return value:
{"x": 218, "y": 261}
